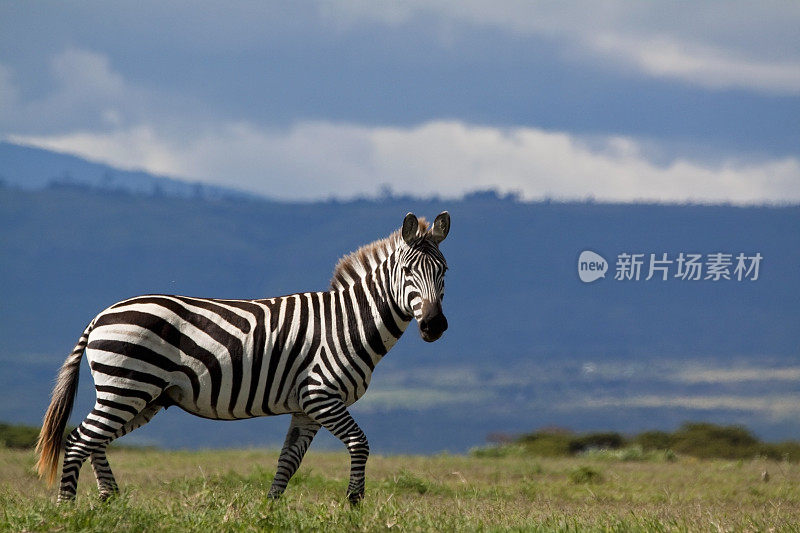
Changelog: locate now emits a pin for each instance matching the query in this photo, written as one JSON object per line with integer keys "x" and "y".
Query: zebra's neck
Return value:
{"x": 370, "y": 305}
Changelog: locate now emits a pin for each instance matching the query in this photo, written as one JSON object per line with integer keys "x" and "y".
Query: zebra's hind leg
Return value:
{"x": 106, "y": 483}
{"x": 334, "y": 417}
{"x": 301, "y": 431}
{"x": 107, "y": 421}
{"x": 83, "y": 441}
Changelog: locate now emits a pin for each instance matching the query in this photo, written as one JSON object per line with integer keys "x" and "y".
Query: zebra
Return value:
{"x": 308, "y": 354}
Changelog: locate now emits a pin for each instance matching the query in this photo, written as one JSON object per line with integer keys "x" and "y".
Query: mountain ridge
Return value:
{"x": 30, "y": 167}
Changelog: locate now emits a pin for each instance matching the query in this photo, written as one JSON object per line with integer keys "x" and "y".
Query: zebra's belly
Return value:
{"x": 231, "y": 405}
{"x": 183, "y": 399}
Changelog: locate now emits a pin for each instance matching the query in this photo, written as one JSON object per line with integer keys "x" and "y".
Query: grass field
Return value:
{"x": 226, "y": 491}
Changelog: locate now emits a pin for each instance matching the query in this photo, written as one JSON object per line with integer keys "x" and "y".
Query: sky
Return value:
{"x": 307, "y": 100}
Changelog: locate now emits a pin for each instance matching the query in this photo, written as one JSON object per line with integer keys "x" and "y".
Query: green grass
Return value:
{"x": 227, "y": 491}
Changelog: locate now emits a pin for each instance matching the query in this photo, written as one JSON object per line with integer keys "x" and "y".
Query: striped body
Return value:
{"x": 310, "y": 355}
{"x": 232, "y": 359}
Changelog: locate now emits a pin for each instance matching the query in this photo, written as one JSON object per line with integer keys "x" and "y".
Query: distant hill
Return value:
{"x": 30, "y": 168}
{"x": 529, "y": 344}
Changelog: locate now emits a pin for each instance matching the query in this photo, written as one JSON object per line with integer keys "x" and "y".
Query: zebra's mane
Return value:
{"x": 356, "y": 265}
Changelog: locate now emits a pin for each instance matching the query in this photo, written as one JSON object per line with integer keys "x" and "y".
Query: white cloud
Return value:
{"x": 707, "y": 66}
{"x": 87, "y": 73}
{"x": 312, "y": 160}
{"x": 717, "y": 45}
{"x": 739, "y": 375}
{"x": 134, "y": 148}
{"x": 88, "y": 93}
{"x": 776, "y": 408}
{"x": 387, "y": 399}
{"x": 86, "y": 90}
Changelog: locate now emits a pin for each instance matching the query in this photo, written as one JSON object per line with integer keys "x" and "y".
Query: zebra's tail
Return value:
{"x": 49, "y": 444}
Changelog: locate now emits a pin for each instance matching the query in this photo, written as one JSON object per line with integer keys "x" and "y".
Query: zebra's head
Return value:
{"x": 421, "y": 271}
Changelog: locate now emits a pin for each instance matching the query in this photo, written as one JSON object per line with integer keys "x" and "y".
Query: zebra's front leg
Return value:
{"x": 301, "y": 431}
{"x": 334, "y": 417}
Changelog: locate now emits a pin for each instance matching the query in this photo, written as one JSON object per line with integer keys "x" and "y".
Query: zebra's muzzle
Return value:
{"x": 432, "y": 322}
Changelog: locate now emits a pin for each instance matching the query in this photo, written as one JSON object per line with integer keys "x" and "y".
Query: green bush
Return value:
{"x": 653, "y": 440}
{"x": 585, "y": 474}
{"x": 710, "y": 440}
{"x": 596, "y": 441}
{"x": 697, "y": 439}
{"x": 411, "y": 482}
{"x": 546, "y": 444}
{"x": 781, "y": 451}
{"x": 562, "y": 444}
{"x": 18, "y": 436}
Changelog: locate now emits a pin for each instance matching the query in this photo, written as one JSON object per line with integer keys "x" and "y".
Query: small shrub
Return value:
{"x": 495, "y": 451}
{"x": 535, "y": 469}
{"x": 632, "y": 453}
{"x": 585, "y": 474}
{"x": 488, "y": 451}
{"x": 409, "y": 481}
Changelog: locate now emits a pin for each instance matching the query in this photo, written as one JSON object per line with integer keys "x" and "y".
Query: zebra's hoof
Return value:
{"x": 355, "y": 498}
{"x": 274, "y": 495}
{"x": 108, "y": 496}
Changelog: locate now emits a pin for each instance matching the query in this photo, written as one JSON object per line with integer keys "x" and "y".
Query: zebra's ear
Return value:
{"x": 410, "y": 228}
{"x": 441, "y": 227}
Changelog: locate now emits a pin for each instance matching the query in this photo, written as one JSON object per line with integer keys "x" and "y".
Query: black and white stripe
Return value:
{"x": 310, "y": 355}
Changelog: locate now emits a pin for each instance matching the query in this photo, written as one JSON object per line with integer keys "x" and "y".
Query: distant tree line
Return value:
{"x": 695, "y": 439}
